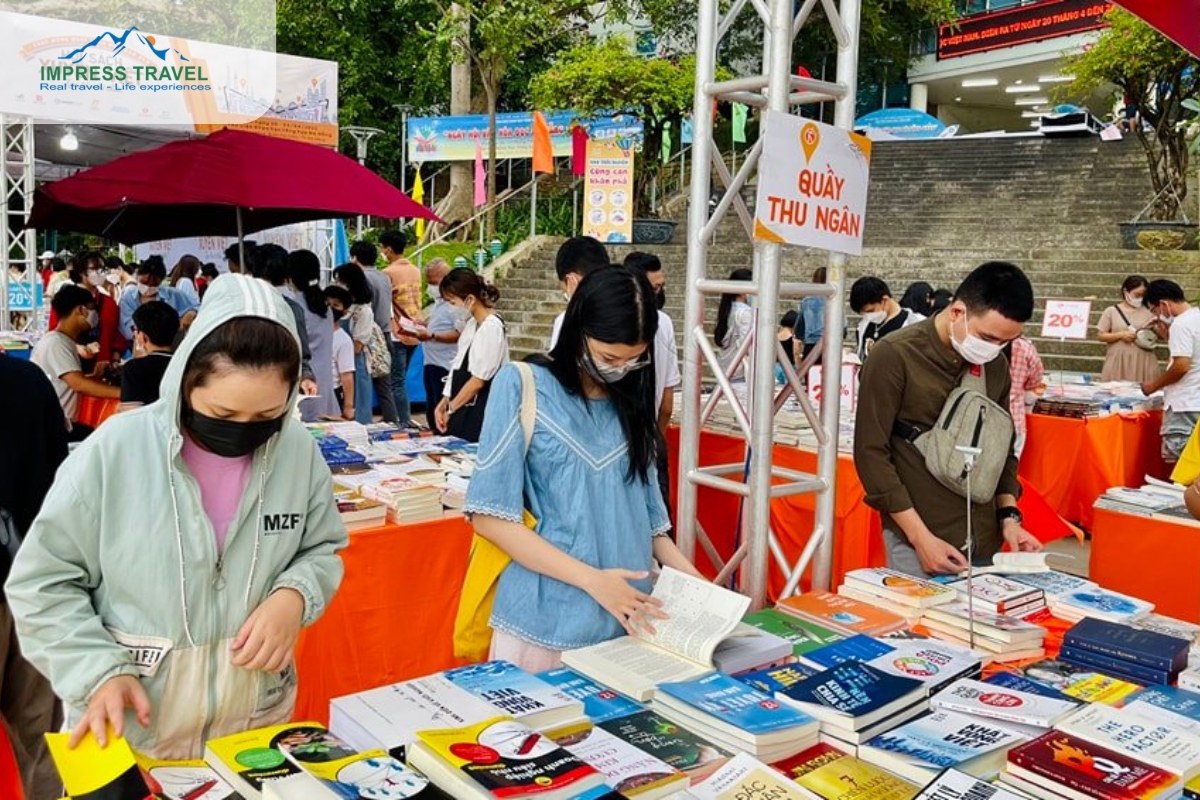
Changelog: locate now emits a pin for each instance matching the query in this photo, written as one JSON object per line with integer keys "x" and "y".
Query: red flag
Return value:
{"x": 579, "y": 140}
{"x": 543, "y": 150}
{"x": 1178, "y": 20}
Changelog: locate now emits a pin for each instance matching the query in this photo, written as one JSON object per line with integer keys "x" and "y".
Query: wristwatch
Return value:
{"x": 1009, "y": 512}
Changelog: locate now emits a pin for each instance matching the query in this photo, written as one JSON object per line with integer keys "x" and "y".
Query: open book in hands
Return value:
{"x": 699, "y": 616}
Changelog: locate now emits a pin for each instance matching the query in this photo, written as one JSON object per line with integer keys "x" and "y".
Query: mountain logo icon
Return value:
{"x": 119, "y": 43}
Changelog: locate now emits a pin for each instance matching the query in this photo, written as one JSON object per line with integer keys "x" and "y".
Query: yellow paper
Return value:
{"x": 88, "y": 767}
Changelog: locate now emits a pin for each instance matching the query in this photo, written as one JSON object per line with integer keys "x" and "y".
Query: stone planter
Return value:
{"x": 1155, "y": 235}
{"x": 653, "y": 231}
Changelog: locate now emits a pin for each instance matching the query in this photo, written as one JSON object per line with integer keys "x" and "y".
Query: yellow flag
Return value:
{"x": 418, "y": 194}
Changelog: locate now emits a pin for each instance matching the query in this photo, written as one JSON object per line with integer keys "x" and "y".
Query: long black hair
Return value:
{"x": 614, "y": 305}
{"x": 723, "y": 310}
{"x": 353, "y": 278}
{"x": 304, "y": 271}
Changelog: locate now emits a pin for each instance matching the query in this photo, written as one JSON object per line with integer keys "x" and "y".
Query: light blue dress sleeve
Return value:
{"x": 127, "y": 305}
{"x": 498, "y": 483}
{"x": 660, "y": 521}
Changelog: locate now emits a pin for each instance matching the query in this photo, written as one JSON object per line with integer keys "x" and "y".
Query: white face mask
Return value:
{"x": 145, "y": 290}
{"x": 874, "y": 318}
{"x": 1136, "y": 302}
{"x": 1166, "y": 319}
{"x": 973, "y": 349}
{"x": 113, "y": 277}
{"x": 462, "y": 313}
{"x": 435, "y": 291}
{"x": 94, "y": 278}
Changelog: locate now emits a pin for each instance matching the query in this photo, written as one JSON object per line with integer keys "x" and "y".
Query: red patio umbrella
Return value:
{"x": 227, "y": 184}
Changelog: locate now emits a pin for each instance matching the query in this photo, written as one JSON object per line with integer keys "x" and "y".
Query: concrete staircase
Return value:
{"x": 936, "y": 210}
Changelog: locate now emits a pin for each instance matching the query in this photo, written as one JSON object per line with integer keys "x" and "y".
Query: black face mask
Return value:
{"x": 227, "y": 438}
{"x": 660, "y": 298}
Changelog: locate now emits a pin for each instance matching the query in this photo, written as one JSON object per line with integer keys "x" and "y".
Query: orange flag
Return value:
{"x": 543, "y": 151}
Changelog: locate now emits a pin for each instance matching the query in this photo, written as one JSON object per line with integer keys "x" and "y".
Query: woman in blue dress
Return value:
{"x": 583, "y": 575}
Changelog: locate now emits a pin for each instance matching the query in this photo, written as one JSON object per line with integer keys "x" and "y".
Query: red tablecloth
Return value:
{"x": 1073, "y": 461}
{"x": 94, "y": 410}
{"x": 1154, "y": 558}
{"x": 393, "y": 617}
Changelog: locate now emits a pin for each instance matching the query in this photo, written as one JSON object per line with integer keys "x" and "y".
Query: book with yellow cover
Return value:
{"x": 831, "y": 774}
{"x": 184, "y": 780}
{"x": 90, "y": 772}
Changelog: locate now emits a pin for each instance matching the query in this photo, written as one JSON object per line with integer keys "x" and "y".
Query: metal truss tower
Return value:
{"x": 17, "y": 247}
{"x": 777, "y": 89}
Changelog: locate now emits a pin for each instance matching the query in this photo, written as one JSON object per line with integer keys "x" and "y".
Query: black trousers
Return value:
{"x": 434, "y": 380}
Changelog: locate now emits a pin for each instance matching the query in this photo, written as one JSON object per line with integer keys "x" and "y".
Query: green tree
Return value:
{"x": 386, "y": 57}
{"x": 608, "y": 76}
{"x": 498, "y": 35}
{"x": 1160, "y": 77}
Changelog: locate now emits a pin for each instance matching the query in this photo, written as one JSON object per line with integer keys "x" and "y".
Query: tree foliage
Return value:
{"x": 1157, "y": 75}
{"x": 597, "y": 77}
{"x": 386, "y": 57}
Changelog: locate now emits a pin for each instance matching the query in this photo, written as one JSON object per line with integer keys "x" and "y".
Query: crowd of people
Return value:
{"x": 124, "y": 626}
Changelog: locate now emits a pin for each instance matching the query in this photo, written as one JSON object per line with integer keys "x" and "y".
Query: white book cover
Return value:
{"x": 997, "y": 626}
{"x": 390, "y": 716}
{"x": 996, "y": 590}
{"x": 939, "y": 740}
{"x": 746, "y": 777}
{"x": 513, "y": 691}
{"x": 1102, "y": 604}
{"x": 955, "y": 785}
{"x": 981, "y": 699}
{"x": 934, "y": 663}
{"x": 901, "y": 588}
{"x": 1054, "y": 583}
{"x": 1169, "y": 626}
{"x": 626, "y": 769}
{"x": 1154, "y": 743}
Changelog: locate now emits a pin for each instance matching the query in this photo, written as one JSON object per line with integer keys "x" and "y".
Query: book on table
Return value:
{"x": 514, "y": 692}
{"x": 910, "y": 614}
{"x": 1158, "y": 745}
{"x": 358, "y": 513}
{"x": 694, "y": 756}
{"x": 896, "y": 587}
{"x": 831, "y": 774}
{"x": 1169, "y": 626}
{"x": 967, "y": 696}
{"x": 746, "y": 777}
{"x": 600, "y": 704}
{"x": 1156, "y": 651}
{"x": 952, "y": 784}
{"x": 1057, "y": 765}
{"x": 1114, "y": 667}
{"x": 502, "y": 757}
{"x": 89, "y": 770}
{"x": 999, "y": 627}
{"x": 627, "y": 769}
{"x": 853, "y": 696}
{"x": 1053, "y": 583}
{"x": 184, "y": 780}
{"x": 776, "y": 679}
{"x": 1011, "y": 680}
{"x": 935, "y": 664}
{"x": 920, "y": 749}
{"x": 700, "y": 615}
{"x": 1101, "y": 604}
{"x": 390, "y": 716}
{"x": 1080, "y": 683}
{"x": 1179, "y": 708}
{"x": 999, "y": 595}
{"x": 990, "y": 650}
{"x": 842, "y": 614}
{"x": 804, "y": 635}
{"x": 852, "y": 648}
{"x": 750, "y": 648}
{"x": 736, "y": 715}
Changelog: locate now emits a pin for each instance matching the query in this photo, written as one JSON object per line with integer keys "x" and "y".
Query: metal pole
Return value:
{"x": 241, "y": 242}
{"x": 831, "y": 357}
{"x": 404, "y": 150}
{"x": 533, "y": 207}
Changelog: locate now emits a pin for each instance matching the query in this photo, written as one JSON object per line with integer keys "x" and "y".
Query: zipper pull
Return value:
{"x": 218, "y": 581}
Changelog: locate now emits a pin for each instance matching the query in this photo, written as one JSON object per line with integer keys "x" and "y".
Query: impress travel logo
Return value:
{"x": 79, "y": 70}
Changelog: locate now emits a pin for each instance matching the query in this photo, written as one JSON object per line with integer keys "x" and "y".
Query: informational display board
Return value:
{"x": 608, "y": 192}
{"x": 812, "y": 184}
{"x": 1066, "y": 319}
{"x": 1022, "y": 24}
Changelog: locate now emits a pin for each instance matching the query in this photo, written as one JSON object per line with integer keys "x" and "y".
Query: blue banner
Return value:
{"x": 904, "y": 123}
{"x": 453, "y": 138}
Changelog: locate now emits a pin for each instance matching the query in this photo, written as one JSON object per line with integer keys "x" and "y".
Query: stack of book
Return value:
{"x": 842, "y": 614}
{"x": 1011, "y": 706}
{"x": 1000, "y": 637}
{"x": 1125, "y": 652}
{"x": 1000, "y": 595}
{"x": 920, "y": 749}
{"x": 831, "y": 774}
{"x": 1054, "y": 584}
{"x": 855, "y": 702}
{"x": 1150, "y": 741}
{"x": 676, "y": 746}
{"x": 935, "y": 664}
{"x": 358, "y": 512}
{"x": 1099, "y": 604}
{"x": 736, "y": 716}
{"x": 1144, "y": 501}
{"x": 853, "y": 648}
{"x": 894, "y": 590}
{"x": 407, "y": 500}
{"x": 1059, "y": 766}
{"x": 805, "y": 636}
{"x": 1081, "y": 683}
{"x": 514, "y": 692}
{"x": 1172, "y": 627}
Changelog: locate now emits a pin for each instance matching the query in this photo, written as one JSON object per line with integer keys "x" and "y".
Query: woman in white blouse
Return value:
{"x": 482, "y": 350}
{"x": 735, "y": 319}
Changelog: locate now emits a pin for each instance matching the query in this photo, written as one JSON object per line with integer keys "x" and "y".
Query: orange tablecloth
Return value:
{"x": 1154, "y": 558}
{"x": 1073, "y": 461}
{"x": 393, "y": 617}
{"x": 93, "y": 410}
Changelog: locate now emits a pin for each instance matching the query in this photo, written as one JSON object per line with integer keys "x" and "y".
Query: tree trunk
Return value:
{"x": 1166, "y": 153}
{"x": 456, "y": 205}
{"x": 491, "y": 84}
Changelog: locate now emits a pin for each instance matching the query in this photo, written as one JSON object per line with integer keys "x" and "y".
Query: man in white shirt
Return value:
{"x": 439, "y": 338}
{"x": 577, "y": 258}
{"x": 666, "y": 362}
{"x": 1179, "y": 323}
{"x": 57, "y": 354}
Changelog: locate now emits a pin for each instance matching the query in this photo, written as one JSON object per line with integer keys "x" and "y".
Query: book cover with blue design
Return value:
{"x": 1011, "y": 680}
{"x": 776, "y": 679}
{"x": 1100, "y": 603}
{"x": 1155, "y": 651}
{"x": 600, "y": 704}
{"x": 732, "y": 701}
{"x": 513, "y": 691}
{"x": 1053, "y": 583}
{"x": 853, "y": 692}
{"x": 1178, "y": 708}
{"x": 853, "y": 648}
{"x": 942, "y": 739}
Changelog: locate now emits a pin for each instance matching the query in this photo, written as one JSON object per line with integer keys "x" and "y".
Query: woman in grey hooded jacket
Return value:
{"x": 140, "y": 594}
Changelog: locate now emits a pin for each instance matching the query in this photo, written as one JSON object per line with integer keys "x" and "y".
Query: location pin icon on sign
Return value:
{"x": 810, "y": 140}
